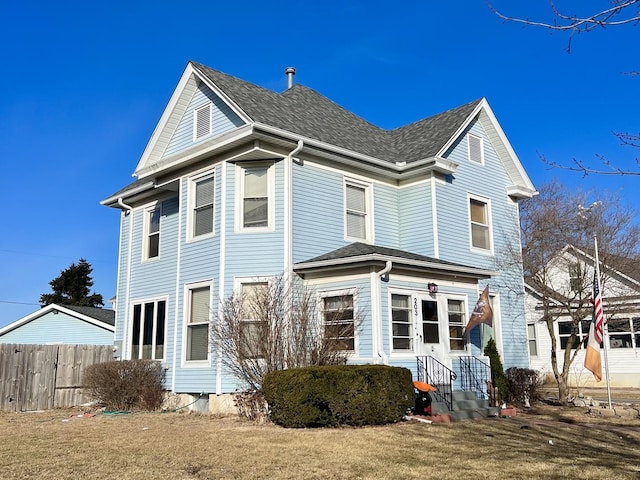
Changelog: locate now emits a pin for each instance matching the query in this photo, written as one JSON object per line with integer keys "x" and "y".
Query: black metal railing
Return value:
{"x": 475, "y": 376}
{"x": 438, "y": 375}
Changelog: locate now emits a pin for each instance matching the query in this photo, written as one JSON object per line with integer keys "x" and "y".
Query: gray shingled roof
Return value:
{"x": 363, "y": 250}
{"x": 305, "y": 112}
{"x": 104, "y": 315}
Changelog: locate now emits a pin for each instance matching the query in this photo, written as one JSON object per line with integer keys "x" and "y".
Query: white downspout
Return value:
{"x": 376, "y": 320}
{"x": 288, "y": 214}
{"x": 125, "y": 330}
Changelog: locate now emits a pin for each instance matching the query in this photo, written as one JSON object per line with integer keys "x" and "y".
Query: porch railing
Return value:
{"x": 440, "y": 376}
{"x": 475, "y": 376}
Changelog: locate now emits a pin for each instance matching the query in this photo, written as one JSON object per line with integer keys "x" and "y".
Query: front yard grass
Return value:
{"x": 546, "y": 443}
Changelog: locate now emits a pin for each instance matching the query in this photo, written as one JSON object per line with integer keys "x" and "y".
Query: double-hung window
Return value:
{"x": 401, "y": 323}
{"x": 152, "y": 232}
{"x": 197, "y": 347}
{"x": 255, "y": 186}
{"x": 479, "y": 216}
{"x": 357, "y": 215}
{"x": 457, "y": 321}
{"x": 202, "y": 206}
{"x": 339, "y": 326}
{"x": 255, "y": 298}
{"x": 620, "y": 332}
{"x": 532, "y": 339}
{"x": 148, "y": 327}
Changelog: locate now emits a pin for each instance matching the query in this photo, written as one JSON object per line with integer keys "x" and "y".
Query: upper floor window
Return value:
{"x": 256, "y": 186}
{"x": 457, "y": 321}
{"x": 201, "y": 122}
{"x": 152, "y": 232}
{"x": 148, "y": 327}
{"x": 576, "y": 277}
{"x": 339, "y": 326}
{"x": 202, "y": 205}
{"x": 401, "y": 323}
{"x": 480, "y": 226}
{"x": 475, "y": 148}
{"x": 199, "y": 299}
{"x": 357, "y": 215}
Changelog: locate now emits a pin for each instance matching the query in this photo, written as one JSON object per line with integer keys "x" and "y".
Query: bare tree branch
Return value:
{"x": 552, "y": 221}
{"x": 620, "y": 13}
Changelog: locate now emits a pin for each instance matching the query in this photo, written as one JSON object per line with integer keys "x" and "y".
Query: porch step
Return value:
{"x": 465, "y": 406}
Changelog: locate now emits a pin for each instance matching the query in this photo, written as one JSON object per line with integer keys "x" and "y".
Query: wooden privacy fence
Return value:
{"x": 39, "y": 377}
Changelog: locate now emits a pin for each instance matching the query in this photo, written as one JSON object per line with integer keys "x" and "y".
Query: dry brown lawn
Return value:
{"x": 547, "y": 443}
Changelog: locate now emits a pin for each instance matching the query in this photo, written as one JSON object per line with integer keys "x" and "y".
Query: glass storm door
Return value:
{"x": 429, "y": 332}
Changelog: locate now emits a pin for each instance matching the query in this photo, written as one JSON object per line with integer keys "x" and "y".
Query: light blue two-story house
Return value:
{"x": 239, "y": 184}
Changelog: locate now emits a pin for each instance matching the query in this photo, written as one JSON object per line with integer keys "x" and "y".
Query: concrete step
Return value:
{"x": 470, "y": 404}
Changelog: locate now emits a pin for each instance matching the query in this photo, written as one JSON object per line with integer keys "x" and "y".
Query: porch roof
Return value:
{"x": 361, "y": 254}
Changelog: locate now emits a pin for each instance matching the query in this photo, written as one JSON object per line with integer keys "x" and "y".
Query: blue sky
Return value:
{"x": 84, "y": 83}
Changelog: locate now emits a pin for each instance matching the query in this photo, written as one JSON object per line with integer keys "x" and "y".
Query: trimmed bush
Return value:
{"x": 498, "y": 379}
{"x": 329, "y": 396}
{"x": 524, "y": 385}
{"x": 126, "y": 384}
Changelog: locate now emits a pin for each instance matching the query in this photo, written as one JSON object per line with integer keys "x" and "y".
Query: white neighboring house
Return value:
{"x": 621, "y": 303}
{"x": 62, "y": 324}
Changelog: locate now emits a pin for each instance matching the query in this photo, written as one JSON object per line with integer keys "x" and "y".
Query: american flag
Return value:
{"x": 598, "y": 314}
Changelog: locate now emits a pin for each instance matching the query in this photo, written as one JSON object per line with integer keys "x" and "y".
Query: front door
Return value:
{"x": 430, "y": 340}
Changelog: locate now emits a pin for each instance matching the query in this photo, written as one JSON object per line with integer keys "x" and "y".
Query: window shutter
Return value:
{"x": 202, "y": 122}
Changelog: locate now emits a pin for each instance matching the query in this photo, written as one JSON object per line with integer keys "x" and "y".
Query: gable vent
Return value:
{"x": 202, "y": 122}
{"x": 475, "y": 149}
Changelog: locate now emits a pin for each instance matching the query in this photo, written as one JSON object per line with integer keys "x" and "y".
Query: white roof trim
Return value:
{"x": 376, "y": 257}
{"x": 522, "y": 184}
{"x": 50, "y": 308}
{"x": 175, "y": 108}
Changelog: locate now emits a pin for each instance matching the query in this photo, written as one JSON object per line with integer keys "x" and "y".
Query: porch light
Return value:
{"x": 433, "y": 288}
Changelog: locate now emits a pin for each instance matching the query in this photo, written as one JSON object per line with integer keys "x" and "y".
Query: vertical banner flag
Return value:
{"x": 592, "y": 359}
{"x": 482, "y": 313}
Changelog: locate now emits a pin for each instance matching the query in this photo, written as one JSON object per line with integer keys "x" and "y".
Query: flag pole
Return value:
{"x": 605, "y": 327}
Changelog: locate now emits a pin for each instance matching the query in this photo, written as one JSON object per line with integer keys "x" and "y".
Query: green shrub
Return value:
{"x": 126, "y": 384}
{"x": 498, "y": 379}
{"x": 329, "y": 396}
{"x": 524, "y": 385}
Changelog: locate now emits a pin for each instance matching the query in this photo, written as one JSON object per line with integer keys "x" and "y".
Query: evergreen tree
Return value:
{"x": 498, "y": 377}
{"x": 73, "y": 287}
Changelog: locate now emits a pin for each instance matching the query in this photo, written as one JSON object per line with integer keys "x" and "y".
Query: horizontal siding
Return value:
{"x": 416, "y": 219}
{"x": 223, "y": 120}
{"x": 59, "y": 328}
{"x": 488, "y": 181}
{"x": 387, "y": 215}
{"x": 318, "y": 211}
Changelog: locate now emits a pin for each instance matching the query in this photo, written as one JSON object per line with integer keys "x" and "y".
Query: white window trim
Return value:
{"x": 478, "y": 137}
{"x": 465, "y": 310}
{"x": 186, "y": 309}
{"x": 143, "y": 301}
{"x": 147, "y": 209}
{"x": 399, "y": 354}
{"x": 487, "y": 202}
{"x": 208, "y": 105}
{"x": 191, "y": 201}
{"x": 320, "y": 309}
{"x": 534, "y": 339}
{"x": 271, "y": 188}
{"x": 368, "y": 197}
